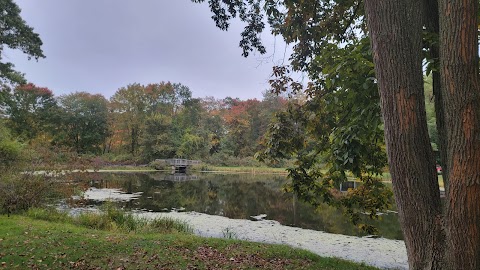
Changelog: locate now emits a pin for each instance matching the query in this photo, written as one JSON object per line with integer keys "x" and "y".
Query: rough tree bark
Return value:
{"x": 461, "y": 92}
{"x": 395, "y": 29}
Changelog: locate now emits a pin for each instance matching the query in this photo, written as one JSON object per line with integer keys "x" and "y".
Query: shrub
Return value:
{"x": 21, "y": 191}
{"x": 223, "y": 159}
{"x": 10, "y": 153}
{"x": 169, "y": 225}
{"x": 160, "y": 164}
{"x": 111, "y": 218}
{"x": 121, "y": 219}
{"x": 10, "y": 150}
{"x": 120, "y": 159}
{"x": 94, "y": 221}
{"x": 48, "y": 214}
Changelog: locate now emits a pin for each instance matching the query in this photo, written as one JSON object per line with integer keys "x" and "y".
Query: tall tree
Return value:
{"x": 435, "y": 237}
{"x": 191, "y": 129}
{"x": 213, "y": 124}
{"x": 133, "y": 105}
{"x": 30, "y": 110}
{"x": 396, "y": 33}
{"x": 460, "y": 89}
{"x": 239, "y": 129}
{"x": 16, "y": 34}
{"x": 166, "y": 98}
{"x": 83, "y": 121}
{"x": 158, "y": 140}
{"x": 130, "y": 105}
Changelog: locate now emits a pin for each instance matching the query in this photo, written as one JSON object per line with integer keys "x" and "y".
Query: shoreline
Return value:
{"x": 378, "y": 252}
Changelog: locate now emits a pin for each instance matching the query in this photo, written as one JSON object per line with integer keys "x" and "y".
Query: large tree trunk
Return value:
{"x": 395, "y": 29}
{"x": 461, "y": 92}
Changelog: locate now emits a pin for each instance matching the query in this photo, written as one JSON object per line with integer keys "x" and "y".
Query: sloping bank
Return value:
{"x": 379, "y": 252}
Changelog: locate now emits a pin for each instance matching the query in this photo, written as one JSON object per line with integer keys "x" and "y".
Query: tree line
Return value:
{"x": 139, "y": 122}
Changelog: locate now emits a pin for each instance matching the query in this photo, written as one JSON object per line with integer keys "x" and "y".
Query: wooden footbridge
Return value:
{"x": 178, "y": 164}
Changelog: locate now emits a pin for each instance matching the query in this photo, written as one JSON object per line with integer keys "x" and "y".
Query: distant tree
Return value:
{"x": 210, "y": 104}
{"x": 191, "y": 145}
{"x": 130, "y": 105}
{"x": 30, "y": 111}
{"x": 182, "y": 95}
{"x": 191, "y": 129}
{"x": 229, "y": 102}
{"x": 191, "y": 114}
{"x": 213, "y": 126}
{"x": 16, "y": 34}
{"x": 83, "y": 122}
{"x": 254, "y": 110}
{"x": 166, "y": 98}
{"x": 272, "y": 103}
{"x": 239, "y": 129}
{"x": 133, "y": 105}
{"x": 158, "y": 140}
{"x": 213, "y": 123}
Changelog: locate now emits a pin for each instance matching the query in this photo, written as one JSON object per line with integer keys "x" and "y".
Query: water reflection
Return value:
{"x": 176, "y": 177}
{"x": 235, "y": 196}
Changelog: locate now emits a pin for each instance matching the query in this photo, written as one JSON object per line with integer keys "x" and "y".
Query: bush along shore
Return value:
{"x": 113, "y": 239}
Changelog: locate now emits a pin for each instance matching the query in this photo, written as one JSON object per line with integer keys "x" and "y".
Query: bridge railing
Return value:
{"x": 177, "y": 162}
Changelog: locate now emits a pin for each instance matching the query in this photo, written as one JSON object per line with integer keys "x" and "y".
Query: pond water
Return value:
{"x": 236, "y": 196}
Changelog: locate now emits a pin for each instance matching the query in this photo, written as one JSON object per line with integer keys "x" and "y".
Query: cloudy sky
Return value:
{"x": 99, "y": 46}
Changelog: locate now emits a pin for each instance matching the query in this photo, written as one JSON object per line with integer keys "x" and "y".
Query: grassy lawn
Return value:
{"x": 239, "y": 169}
{"x": 207, "y": 168}
{"x": 27, "y": 243}
{"x": 126, "y": 168}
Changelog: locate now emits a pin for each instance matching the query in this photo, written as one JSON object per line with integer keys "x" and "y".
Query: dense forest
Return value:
{"x": 140, "y": 123}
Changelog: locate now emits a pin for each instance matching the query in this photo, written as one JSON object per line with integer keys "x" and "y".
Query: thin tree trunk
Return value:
{"x": 109, "y": 147}
{"x": 133, "y": 141}
{"x": 77, "y": 143}
{"x": 395, "y": 29}
{"x": 461, "y": 92}
{"x": 431, "y": 17}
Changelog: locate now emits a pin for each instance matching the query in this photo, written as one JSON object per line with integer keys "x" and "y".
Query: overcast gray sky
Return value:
{"x": 99, "y": 46}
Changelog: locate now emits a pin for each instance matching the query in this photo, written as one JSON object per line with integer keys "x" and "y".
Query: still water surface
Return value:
{"x": 237, "y": 196}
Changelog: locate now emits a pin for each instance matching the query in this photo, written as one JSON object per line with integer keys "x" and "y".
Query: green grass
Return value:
{"x": 206, "y": 168}
{"x": 254, "y": 170}
{"x": 112, "y": 219}
{"x": 27, "y": 243}
{"x": 126, "y": 168}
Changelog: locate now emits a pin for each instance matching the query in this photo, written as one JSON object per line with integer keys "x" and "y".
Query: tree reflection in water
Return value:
{"x": 236, "y": 196}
